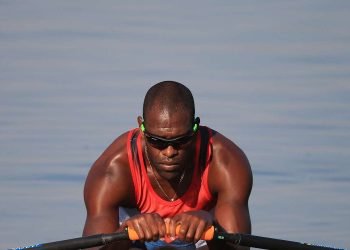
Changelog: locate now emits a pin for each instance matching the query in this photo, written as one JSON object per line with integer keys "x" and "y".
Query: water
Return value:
{"x": 272, "y": 76}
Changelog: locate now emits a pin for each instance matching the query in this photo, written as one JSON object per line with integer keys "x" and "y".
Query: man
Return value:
{"x": 174, "y": 172}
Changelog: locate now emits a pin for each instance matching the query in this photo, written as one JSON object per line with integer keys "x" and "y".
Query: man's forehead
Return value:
{"x": 165, "y": 119}
{"x": 168, "y": 115}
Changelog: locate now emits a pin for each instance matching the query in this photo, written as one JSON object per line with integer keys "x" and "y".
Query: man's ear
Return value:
{"x": 139, "y": 121}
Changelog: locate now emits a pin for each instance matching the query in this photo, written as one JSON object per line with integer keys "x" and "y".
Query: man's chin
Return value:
{"x": 170, "y": 175}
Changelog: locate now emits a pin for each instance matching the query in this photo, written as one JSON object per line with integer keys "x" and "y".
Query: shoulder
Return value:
{"x": 110, "y": 173}
{"x": 230, "y": 165}
{"x": 225, "y": 151}
{"x": 113, "y": 157}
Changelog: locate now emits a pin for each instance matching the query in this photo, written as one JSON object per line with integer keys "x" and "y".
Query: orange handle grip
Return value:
{"x": 207, "y": 235}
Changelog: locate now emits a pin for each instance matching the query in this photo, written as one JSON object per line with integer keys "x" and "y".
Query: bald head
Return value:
{"x": 170, "y": 97}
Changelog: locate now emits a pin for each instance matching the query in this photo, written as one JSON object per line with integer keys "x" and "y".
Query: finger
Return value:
{"x": 171, "y": 228}
{"x": 200, "y": 229}
{"x": 191, "y": 232}
{"x": 162, "y": 228}
{"x": 195, "y": 229}
{"x": 147, "y": 226}
{"x": 155, "y": 223}
{"x": 138, "y": 229}
{"x": 184, "y": 227}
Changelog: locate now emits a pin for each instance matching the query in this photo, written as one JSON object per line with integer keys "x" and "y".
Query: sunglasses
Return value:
{"x": 162, "y": 143}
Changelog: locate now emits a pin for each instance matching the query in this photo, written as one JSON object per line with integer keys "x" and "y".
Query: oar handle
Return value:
{"x": 247, "y": 240}
{"x": 267, "y": 243}
{"x": 78, "y": 243}
{"x": 207, "y": 235}
{"x": 210, "y": 234}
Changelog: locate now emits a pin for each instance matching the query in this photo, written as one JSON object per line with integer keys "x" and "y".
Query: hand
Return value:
{"x": 149, "y": 227}
{"x": 192, "y": 225}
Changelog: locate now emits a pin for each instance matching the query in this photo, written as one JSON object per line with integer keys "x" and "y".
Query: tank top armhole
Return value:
{"x": 207, "y": 167}
{"x": 132, "y": 166}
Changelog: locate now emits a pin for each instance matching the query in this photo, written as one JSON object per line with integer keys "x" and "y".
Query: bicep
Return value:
{"x": 105, "y": 190}
{"x": 101, "y": 210}
{"x": 232, "y": 168}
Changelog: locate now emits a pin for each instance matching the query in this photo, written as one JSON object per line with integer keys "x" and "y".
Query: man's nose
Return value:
{"x": 170, "y": 151}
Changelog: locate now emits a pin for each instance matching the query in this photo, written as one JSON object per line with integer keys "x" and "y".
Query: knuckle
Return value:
{"x": 141, "y": 219}
{"x": 202, "y": 224}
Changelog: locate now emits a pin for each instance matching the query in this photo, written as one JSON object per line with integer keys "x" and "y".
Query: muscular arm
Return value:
{"x": 107, "y": 187}
{"x": 231, "y": 180}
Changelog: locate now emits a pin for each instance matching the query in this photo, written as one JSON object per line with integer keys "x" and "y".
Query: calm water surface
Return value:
{"x": 272, "y": 76}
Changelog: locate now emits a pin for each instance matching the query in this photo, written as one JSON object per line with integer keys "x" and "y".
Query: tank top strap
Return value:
{"x": 205, "y": 157}
{"x": 134, "y": 160}
{"x": 205, "y": 147}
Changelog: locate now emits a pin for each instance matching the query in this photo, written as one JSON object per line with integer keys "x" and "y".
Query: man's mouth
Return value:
{"x": 166, "y": 167}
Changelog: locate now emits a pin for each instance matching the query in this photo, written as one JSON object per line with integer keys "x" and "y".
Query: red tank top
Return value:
{"x": 197, "y": 196}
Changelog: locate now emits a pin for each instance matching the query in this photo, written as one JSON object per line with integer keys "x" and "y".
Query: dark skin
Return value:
{"x": 109, "y": 185}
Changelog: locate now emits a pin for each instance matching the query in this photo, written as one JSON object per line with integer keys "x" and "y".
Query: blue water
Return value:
{"x": 272, "y": 76}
